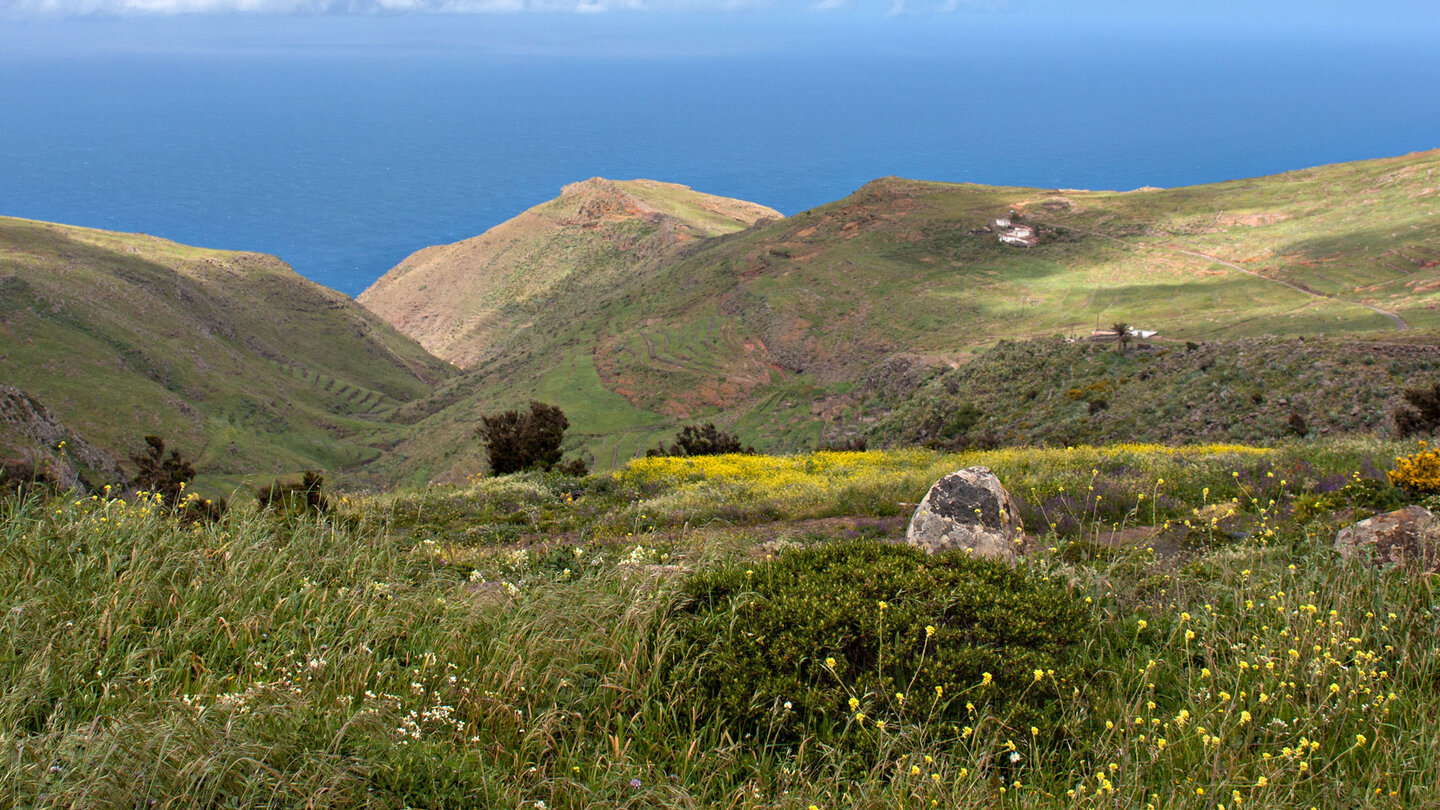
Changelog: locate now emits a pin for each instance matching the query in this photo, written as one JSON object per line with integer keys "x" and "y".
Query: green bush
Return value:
{"x": 162, "y": 475}
{"x": 760, "y": 638}
{"x": 515, "y": 440}
{"x": 701, "y": 440}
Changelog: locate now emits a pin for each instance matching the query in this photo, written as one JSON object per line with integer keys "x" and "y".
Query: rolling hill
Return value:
{"x": 782, "y": 329}
{"x": 232, "y": 357}
{"x": 459, "y": 300}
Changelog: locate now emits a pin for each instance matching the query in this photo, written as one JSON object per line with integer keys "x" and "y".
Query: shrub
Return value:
{"x": 20, "y": 477}
{"x": 1298, "y": 425}
{"x": 863, "y": 620}
{"x": 1421, "y": 412}
{"x": 576, "y": 467}
{"x": 162, "y": 475}
{"x": 1418, "y": 472}
{"x": 296, "y": 497}
{"x": 702, "y": 440}
{"x": 202, "y": 510}
{"x": 516, "y": 441}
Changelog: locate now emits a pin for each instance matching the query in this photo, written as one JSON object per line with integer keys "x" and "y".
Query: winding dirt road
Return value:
{"x": 1400, "y": 324}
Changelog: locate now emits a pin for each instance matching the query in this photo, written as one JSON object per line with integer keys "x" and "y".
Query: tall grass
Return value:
{"x": 347, "y": 662}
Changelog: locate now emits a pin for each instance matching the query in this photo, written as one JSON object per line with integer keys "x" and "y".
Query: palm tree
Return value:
{"x": 1122, "y": 333}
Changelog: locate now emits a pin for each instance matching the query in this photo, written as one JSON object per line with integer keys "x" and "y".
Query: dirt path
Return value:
{"x": 1400, "y": 324}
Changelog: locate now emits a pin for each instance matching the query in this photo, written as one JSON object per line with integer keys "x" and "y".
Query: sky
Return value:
{"x": 1389, "y": 12}
{"x": 661, "y": 28}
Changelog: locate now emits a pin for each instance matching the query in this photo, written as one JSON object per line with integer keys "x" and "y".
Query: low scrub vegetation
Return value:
{"x": 1184, "y": 636}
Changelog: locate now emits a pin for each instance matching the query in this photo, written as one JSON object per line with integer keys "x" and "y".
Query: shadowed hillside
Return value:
{"x": 232, "y": 357}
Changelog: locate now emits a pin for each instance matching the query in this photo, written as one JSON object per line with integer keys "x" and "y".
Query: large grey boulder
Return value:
{"x": 1408, "y": 537}
{"x": 968, "y": 510}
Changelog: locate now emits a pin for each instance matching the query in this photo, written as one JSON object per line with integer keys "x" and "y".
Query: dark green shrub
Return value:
{"x": 194, "y": 509}
{"x": 1298, "y": 425}
{"x": 575, "y": 467}
{"x": 163, "y": 475}
{"x": 20, "y": 477}
{"x": 1420, "y": 415}
{"x": 516, "y": 441}
{"x": 702, "y": 440}
{"x": 296, "y": 497}
{"x": 758, "y": 637}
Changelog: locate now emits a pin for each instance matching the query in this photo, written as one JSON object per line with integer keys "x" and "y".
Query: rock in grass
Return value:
{"x": 1409, "y": 538}
{"x": 968, "y": 510}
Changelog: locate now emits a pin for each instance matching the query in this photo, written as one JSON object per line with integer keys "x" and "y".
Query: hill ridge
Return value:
{"x": 772, "y": 329}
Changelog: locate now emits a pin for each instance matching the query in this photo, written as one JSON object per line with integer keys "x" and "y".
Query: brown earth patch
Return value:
{"x": 1251, "y": 220}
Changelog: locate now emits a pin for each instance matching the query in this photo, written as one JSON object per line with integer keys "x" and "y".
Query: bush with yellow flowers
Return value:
{"x": 850, "y": 638}
{"x": 1418, "y": 472}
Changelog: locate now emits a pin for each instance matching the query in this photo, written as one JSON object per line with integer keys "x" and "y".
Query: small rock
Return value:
{"x": 968, "y": 510}
{"x": 1409, "y": 538}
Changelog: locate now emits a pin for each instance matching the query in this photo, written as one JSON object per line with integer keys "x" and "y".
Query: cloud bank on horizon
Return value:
{"x": 162, "y": 7}
{"x": 67, "y": 8}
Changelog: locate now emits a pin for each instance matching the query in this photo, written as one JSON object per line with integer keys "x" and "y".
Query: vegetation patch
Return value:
{"x": 851, "y": 638}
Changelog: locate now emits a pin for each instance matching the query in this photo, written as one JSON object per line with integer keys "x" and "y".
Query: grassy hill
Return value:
{"x": 459, "y": 300}
{"x": 776, "y": 330}
{"x": 232, "y": 357}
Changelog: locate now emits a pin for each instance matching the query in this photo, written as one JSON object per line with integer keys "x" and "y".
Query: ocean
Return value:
{"x": 343, "y": 145}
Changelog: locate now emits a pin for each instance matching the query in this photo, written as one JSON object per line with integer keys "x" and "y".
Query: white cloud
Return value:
{"x": 21, "y": 8}
{"x": 14, "y": 8}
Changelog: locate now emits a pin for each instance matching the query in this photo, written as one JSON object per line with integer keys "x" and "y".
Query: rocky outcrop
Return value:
{"x": 968, "y": 510}
{"x": 31, "y": 430}
{"x": 1409, "y": 538}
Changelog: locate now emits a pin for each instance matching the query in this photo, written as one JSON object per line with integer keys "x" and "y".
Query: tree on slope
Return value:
{"x": 515, "y": 440}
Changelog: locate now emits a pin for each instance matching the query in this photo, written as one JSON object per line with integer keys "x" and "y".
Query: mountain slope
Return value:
{"x": 457, "y": 299}
{"x": 783, "y": 330}
{"x": 232, "y": 357}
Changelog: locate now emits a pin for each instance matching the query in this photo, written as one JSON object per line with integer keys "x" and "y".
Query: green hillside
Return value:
{"x": 237, "y": 361}
{"x": 775, "y": 330}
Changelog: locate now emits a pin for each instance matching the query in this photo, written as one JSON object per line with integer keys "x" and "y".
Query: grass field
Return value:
{"x": 511, "y": 643}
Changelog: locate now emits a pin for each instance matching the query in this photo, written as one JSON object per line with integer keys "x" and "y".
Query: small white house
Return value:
{"x": 1019, "y": 240}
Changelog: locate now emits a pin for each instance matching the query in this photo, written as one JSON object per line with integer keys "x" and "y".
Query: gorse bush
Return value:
{"x": 840, "y": 638}
{"x": 163, "y": 475}
{"x": 516, "y": 441}
{"x": 1418, "y": 472}
{"x": 702, "y": 440}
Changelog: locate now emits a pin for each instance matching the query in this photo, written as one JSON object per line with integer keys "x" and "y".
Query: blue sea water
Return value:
{"x": 342, "y": 145}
